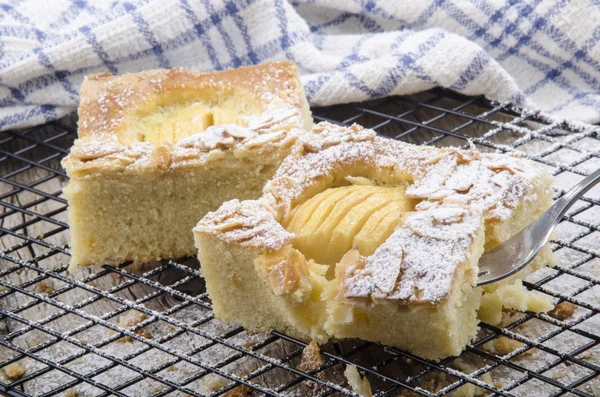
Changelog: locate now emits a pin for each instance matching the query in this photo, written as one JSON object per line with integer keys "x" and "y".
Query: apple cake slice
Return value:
{"x": 365, "y": 237}
{"x": 159, "y": 149}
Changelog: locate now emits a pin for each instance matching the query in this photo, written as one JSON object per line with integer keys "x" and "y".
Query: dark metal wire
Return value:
{"x": 432, "y": 118}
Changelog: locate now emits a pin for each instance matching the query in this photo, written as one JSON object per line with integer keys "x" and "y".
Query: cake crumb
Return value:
{"x": 358, "y": 384}
{"x": 309, "y": 361}
{"x": 504, "y": 346}
{"x": 14, "y": 370}
{"x": 311, "y": 357}
{"x": 432, "y": 384}
{"x": 131, "y": 319}
{"x": 71, "y": 393}
{"x": 45, "y": 287}
{"x": 214, "y": 384}
{"x": 240, "y": 391}
{"x": 563, "y": 310}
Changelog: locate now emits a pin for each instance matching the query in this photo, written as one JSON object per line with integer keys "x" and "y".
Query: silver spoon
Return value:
{"x": 519, "y": 250}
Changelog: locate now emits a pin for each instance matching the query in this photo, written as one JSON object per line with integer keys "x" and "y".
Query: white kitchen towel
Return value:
{"x": 543, "y": 54}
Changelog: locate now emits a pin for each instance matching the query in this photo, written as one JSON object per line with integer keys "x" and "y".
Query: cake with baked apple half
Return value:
{"x": 159, "y": 149}
{"x": 360, "y": 236}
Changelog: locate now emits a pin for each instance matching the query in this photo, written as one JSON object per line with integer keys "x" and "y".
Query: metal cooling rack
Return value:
{"x": 150, "y": 331}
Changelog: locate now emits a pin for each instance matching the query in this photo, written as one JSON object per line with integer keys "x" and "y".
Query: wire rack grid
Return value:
{"x": 150, "y": 330}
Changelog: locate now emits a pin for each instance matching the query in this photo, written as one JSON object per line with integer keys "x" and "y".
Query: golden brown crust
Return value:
{"x": 112, "y": 108}
{"x": 108, "y": 102}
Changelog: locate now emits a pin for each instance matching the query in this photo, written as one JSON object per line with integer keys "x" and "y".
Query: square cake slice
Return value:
{"x": 359, "y": 236}
{"x": 157, "y": 150}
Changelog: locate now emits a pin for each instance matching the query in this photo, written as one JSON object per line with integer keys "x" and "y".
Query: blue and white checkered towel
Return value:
{"x": 537, "y": 53}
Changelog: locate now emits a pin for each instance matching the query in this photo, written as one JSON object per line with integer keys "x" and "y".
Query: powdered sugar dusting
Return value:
{"x": 113, "y": 104}
{"x": 458, "y": 189}
{"x": 490, "y": 183}
{"x": 425, "y": 251}
{"x": 246, "y": 223}
{"x": 107, "y": 155}
{"x": 493, "y": 185}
